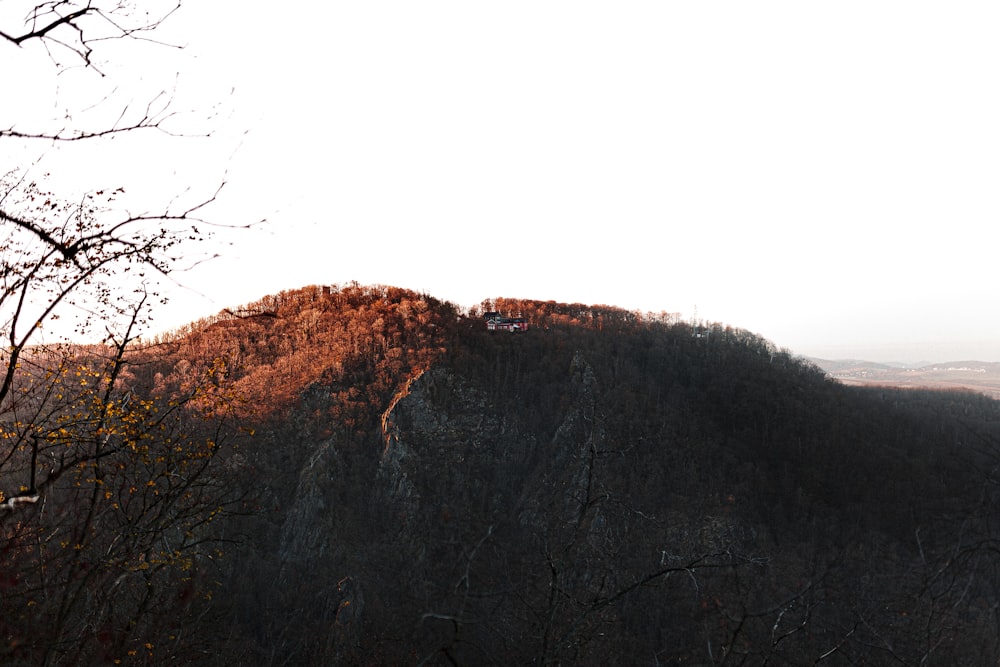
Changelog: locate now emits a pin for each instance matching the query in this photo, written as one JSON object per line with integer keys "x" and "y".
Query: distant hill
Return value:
{"x": 979, "y": 376}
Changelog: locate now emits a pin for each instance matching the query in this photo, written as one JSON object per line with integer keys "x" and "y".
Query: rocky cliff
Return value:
{"x": 604, "y": 488}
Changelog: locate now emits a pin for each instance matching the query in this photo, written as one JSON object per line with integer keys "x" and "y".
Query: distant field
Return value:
{"x": 977, "y": 376}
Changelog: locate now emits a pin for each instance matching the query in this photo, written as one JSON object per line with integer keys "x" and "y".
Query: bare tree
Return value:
{"x": 78, "y": 236}
{"x": 109, "y": 496}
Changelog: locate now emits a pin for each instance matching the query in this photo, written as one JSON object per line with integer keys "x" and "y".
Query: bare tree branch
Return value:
{"x": 76, "y": 26}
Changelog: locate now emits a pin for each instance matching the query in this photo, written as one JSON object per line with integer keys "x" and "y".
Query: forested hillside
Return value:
{"x": 390, "y": 483}
{"x": 365, "y": 475}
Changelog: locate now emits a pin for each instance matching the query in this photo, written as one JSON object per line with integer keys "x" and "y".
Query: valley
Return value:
{"x": 978, "y": 376}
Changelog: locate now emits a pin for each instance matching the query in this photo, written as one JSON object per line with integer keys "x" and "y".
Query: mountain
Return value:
{"x": 603, "y": 487}
{"x": 606, "y": 487}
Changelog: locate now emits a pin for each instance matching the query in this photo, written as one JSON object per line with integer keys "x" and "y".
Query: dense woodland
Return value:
{"x": 365, "y": 475}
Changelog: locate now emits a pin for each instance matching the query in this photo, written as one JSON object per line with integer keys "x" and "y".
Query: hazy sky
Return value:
{"x": 824, "y": 174}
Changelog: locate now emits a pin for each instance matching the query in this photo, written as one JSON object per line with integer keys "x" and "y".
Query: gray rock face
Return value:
{"x": 309, "y": 521}
{"x": 467, "y": 510}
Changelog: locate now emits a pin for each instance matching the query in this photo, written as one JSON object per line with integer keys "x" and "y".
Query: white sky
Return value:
{"x": 824, "y": 174}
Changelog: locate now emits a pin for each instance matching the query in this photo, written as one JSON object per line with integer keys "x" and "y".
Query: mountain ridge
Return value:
{"x": 604, "y": 486}
{"x": 403, "y": 486}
